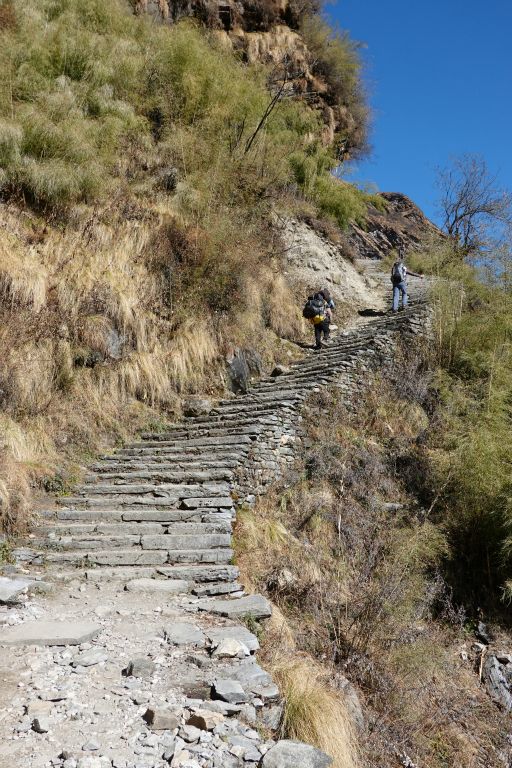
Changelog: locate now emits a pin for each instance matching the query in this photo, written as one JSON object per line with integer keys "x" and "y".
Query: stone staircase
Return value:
{"x": 163, "y": 507}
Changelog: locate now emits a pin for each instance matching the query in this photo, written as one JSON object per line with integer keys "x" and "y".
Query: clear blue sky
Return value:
{"x": 439, "y": 77}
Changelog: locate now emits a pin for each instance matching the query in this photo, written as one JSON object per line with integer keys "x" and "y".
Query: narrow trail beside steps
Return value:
{"x": 121, "y": 641}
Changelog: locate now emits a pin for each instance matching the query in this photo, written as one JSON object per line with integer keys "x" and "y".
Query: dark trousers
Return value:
{"x": 321, "y": 328}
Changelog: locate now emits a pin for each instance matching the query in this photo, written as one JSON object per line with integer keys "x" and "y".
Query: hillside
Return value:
{"x": 141, "y": 169}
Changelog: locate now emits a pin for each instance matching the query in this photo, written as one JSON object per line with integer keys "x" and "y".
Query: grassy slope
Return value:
{"x": 360, "y": 592}
{"x": 135, "y": 243}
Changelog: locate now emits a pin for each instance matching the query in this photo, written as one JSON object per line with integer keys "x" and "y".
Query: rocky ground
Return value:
{"x": 93, "y": 675}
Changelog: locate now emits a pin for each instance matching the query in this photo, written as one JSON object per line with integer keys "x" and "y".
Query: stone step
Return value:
{"x": 200, "y": 574}
{"x": 143, "y": 557}
{"x": 214, "y": 422}
{"x": 99, "y": 516}
{"x": 93, "y": 530}
{"x": 220, "y": 429}
{"x": 157, "y": 475}
{"x": 164, "y": 491}
{"x": 183, "y": 453}
{"x": 299, "y": 383}
{"x": 151, "y": 514}
{"x": 238, "y": 439}
{"x": 186, "y": 541}
{"x": 172, "y": 541}
{"x": 124, "y": 463}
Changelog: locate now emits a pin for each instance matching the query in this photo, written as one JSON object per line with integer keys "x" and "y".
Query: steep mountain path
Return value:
{"x": 142, "y": 550}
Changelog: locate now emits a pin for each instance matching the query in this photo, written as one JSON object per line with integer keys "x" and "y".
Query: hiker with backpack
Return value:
{"x": 399, "y": 273}
{"x": 318, "y": 310}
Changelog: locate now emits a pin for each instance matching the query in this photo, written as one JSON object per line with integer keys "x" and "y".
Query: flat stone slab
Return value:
{"x": 50, "y": 633}
{"x": 249, "y": 674}
{"x": 254, "y": 605}
{"x": 11, "y": 589}
{"x": 182, "y": 633}
{"x": 160, "y": 586}
{"x": 295, "y": 754}
{"x": 230, "y": 691}
{"x": 242, "y": 634}
{"x": 89, "y": 658}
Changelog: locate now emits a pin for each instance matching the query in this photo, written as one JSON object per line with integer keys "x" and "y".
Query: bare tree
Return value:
{"x": 476, "y": 212}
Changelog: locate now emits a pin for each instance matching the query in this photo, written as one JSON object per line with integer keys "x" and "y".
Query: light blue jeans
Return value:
{"x": 401, "y": 288}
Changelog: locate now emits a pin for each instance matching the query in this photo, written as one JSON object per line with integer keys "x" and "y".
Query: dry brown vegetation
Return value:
{"x": 359, "y": 584}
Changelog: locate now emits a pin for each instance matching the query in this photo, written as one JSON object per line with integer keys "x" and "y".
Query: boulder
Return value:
{"x": 238, "y": 632}
{"x": 280, "y": 370}
{"x": 230, "y": 691}
{"x": 242, "y": 365}
{"x": 294, "y": 754}
{"x": 12, "y": 589}
{"x": 197, "y": 406}
{"x": 161, "y": 719}
{"x": 205, "y": 720}
{"x": 497, "y": 683}
{"x": 140, "y": 667}
{"x": 229, "y": 648}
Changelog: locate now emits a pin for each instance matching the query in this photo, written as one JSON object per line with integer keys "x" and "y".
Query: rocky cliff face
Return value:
{"x": 401, "y": 224}
{"x": 269, "y": 32}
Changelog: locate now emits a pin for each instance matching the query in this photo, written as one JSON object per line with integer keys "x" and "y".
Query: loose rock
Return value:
{"x": 205, "y": 719}
{"x": 230, "y": 691}
{"x": 294, "y": 754}
{"x": 141, "y": 667}
{"x": 161, "y": 719}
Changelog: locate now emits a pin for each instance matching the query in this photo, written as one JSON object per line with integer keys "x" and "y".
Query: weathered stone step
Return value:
{"x": 238, "y": 439}
{"x": 298, "y": 383}
{"x": 183, "y": 453}
{"x": 124, "y": 463}
{"x": 135, "y": 556}
{"x": 186, "y": 541}
{"x": 162, "y": 515}
{"x": 89, "y": 542}
{"x": 199, "y": 574}
{"x": 157, "y": 475}
{"x": 220, "y": 429}
{"x": 93, "y": 530}
{"x": 165, "y": 512}
{"x": 169, "y": 541}
{"x": 84, "y": 529}
{"x": 234, "y": 406}
{"x": 212, "y": 422}
{"x": 167, "y": 491}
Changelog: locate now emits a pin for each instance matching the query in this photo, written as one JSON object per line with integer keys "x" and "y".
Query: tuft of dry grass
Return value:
{"x": 15, "y": 495}
{"x": 315, "y": 713}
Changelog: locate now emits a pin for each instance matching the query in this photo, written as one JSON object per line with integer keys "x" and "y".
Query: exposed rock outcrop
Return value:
{"x": 268, "y": 32}
{"x": 401, "y": 224}
{"x": 315, "y": 261}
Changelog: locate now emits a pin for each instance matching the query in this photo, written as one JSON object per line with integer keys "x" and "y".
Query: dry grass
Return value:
{"x": 357, "y": 588}
{"x": 15, "y": 513}
{"x": 23, "y": 277}
{"x": 314, "y": 713}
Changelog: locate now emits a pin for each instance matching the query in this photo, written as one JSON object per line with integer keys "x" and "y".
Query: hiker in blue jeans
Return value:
{"x": 399, "y": 274}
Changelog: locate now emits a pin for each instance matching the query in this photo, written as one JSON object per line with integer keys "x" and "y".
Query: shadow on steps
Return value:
{"x": 372, "y": 312}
